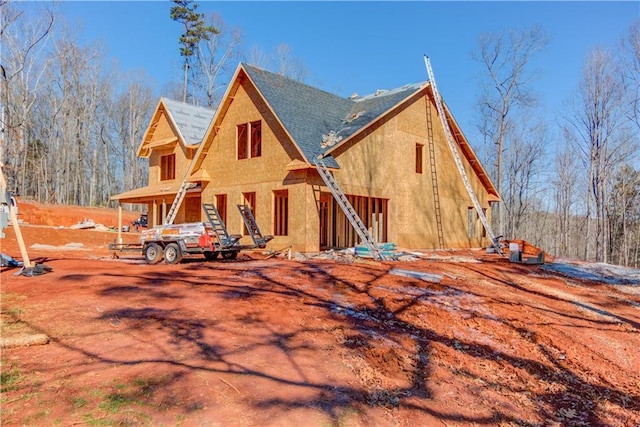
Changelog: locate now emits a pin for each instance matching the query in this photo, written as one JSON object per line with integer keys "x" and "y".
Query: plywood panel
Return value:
{"x": 382, "y": 165}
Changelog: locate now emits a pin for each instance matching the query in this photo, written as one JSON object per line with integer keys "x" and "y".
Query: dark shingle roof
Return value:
{"x": 192, "y": 121}
{"x": 308, "y": 113}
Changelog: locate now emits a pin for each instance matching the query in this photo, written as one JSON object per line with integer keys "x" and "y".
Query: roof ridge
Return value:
{"x": 386, "y": 92}
{"x": 186, "y": 104}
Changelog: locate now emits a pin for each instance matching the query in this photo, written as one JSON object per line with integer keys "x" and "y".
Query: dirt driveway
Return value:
{"x": 277, "y": 342}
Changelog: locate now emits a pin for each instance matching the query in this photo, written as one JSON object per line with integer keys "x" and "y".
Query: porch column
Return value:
{"x": 119, "y": 222}
{"x": 154, "y": 219}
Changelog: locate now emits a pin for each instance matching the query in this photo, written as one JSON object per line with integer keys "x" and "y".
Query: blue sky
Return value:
{"x": 361, "y": 46}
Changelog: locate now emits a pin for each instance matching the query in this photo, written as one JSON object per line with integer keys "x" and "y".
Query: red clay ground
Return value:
{"x": 273, "y": 342}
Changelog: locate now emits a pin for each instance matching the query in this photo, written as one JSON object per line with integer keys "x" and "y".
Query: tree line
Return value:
{"x": 70, "y": 129}
{"x": 72, "y": 121}
{"x": 576, "y": 193}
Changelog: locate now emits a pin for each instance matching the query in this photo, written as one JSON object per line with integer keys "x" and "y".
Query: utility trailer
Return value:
{"x": 173, "y": 242}
{"x": 211, "y": 239}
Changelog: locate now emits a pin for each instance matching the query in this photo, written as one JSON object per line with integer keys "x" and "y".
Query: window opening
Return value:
{"x": 249, "y": 199}
{"x": 249, "y": 140}
{"x": 281, "y": 213}
{"x": 242, "y": 141}
{"x": 470, "y": 221}
{"x": 419, "y": 156}
{"x": 221, "y": 205}
{"x": 167, "y": 167}
{"x": 256, "y": 139}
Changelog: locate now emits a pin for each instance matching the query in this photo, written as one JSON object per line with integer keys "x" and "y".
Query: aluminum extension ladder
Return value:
{"x": 173, "y": 211}
{"x": 434, "y": 180}
{"x": 182, "y": 192}
{"x": 456, "y": 157}
{"x": 348, "y": 210}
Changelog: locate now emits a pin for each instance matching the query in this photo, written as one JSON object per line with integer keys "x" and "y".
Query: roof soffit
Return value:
{"x": 148, "y": 133}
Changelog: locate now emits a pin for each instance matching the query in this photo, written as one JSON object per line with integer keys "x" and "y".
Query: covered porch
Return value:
{"x": 158, "y": 198}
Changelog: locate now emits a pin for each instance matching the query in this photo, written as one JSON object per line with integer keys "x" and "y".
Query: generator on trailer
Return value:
{"x": 172, "y": 242}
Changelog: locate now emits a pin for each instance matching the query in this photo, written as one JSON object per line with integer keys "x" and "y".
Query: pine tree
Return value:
{"x": 195, "y": 31}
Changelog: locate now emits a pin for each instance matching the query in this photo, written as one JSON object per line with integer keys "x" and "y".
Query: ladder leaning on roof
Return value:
{"x": 456, "y": 157}
{"x": 348, "y": 210}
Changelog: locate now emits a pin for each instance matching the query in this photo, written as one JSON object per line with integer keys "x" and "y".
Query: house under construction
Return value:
{"x": 387, "y": 152}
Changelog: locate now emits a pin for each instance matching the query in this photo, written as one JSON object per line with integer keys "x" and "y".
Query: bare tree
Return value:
{"x": 564, "y": 182}
{"x": 623, "y": 212}
{"x": 505, "y": 56}
{"x": 626, "y": 206}
{"x": 128, "y": 120}
{"x": 75, "y": 102}
{"x": 630, "y": 53}
{"x": 214, "y": 57}
{"x": 280, "y": 61}
{"x": 523, "y": 165}
{"x": 23, "y": 38}
{"x": 594, "y": 127}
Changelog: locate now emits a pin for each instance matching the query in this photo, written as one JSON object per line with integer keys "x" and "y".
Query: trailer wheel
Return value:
{"x": 153, "y": 253}
{"x": 230, "y": 255}
{"x": 172, "y": 254}
{"x": 210, "y": 256}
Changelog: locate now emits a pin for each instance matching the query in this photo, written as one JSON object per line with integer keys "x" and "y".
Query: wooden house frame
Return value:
{"x": 387, "y": 152}
{"x": 170, "y": 143}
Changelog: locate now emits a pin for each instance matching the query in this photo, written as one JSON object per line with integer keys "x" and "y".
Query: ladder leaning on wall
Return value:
{"x": 434, "y": 180}
{"x": 458, "y": 160}
{"x": 180, "y": 195}
{"x": 348, "y": 210}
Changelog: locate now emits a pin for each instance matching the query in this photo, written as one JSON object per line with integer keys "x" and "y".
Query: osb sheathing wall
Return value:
{"x": 378, "y": 163}
{"x": 163, "y": 131}
{"x": 381, "y": 164}
{"x": 261, "y": 175}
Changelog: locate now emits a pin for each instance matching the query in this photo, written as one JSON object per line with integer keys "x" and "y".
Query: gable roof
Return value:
{"x": 190, "y": 122}
{"x": 309, "y": 115}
